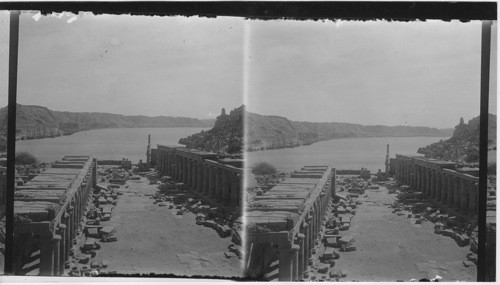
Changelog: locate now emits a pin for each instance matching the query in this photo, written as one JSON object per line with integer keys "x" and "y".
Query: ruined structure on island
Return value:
{"x": 286, "y": 220}
{"x": 201, "y": 171}
{"x": 440, "y": 180}
{"x": 48, "y": 213}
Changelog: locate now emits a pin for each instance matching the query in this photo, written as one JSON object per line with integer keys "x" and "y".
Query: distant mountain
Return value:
{"x": 268, "y": 132}
{"x": 38, "y": 122}
{"x": 226, "y": 137}
{"x": 463, "y": 146}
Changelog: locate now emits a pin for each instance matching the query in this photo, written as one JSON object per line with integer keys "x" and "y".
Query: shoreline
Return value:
{"x": 308, "y": 144}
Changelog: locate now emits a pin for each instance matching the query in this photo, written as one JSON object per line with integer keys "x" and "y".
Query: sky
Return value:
{"x": 414, "y": 74}
{"x": 172, "y": 66}
{"x": 388, "y": 73}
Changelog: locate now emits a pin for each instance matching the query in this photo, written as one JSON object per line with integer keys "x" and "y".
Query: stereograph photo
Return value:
{"x": 248, "y": 149}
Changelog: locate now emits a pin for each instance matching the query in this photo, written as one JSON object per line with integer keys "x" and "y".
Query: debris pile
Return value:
{"x": 334, "y": 238}
{"x": 173, "y": 196}
{"x": 85, "y": 260}
{"x": 416, "y": 207}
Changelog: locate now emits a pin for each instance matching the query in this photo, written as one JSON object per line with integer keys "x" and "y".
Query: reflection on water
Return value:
{"x": 351, "y": 153}
{"x": 120, "y": 143}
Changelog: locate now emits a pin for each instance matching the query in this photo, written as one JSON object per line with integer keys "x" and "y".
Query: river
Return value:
{"x": 130, "y": 143}
{"x": 349, "y": 153}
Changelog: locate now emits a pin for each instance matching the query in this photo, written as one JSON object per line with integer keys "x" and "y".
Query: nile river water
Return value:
{"x": 351, "y": 153}
{"x": 130, "y": 143}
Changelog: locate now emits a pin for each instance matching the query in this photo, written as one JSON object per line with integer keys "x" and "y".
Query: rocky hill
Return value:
{"x": 39, "y": 122}
{"x": 226, "y": 137}
{"x": 463, "y": 146}
{"x": 268, "y": 132}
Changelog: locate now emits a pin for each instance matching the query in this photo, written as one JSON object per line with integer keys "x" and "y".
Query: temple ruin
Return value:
{"x": 441, "y": 181}
{"x": 48, "y": 214}
{"x": 286, "y": 221}
{"x": 217, "y": 179}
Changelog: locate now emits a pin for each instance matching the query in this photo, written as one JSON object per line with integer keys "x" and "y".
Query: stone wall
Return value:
{"x": 440, "y": 181}
{"x": 202, "y": 172}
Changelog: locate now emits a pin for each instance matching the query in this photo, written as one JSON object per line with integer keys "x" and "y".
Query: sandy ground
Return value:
{"x": 391, "y": 247}
{"x": 153, "y": 239}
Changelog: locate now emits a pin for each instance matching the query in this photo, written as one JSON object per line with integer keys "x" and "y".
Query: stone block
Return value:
{"x": 331, "y": 242}
{"x": 330, "y": 253}
{"x": 106, "y": 217}
{"x": 89, "y": 244}
{"x": 83, "y": 258}
{"x": 106, "y": 231}
{"x": 347, "y": 239}
{"x": 92, "y": 232}
{"x": 468, "y": 263}
{"x": 473, "y": 246}
{"x": 107, "y": 210}
{"x": 448, "y": 233}
{"x": 323, "y": 268}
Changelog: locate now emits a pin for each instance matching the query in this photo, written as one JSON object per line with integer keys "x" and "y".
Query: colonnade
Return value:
{"x": 57, "y": 236}
{"x": 202, "y": 172}
{"x": 440, "y": 181}
{"x": 295, "y": 246}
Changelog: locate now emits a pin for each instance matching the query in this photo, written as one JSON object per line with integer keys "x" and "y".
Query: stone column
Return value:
{"x": 464, "y": 196}
{"x": 226, "y": 185}
{"x": 211, "y": 182}
{"x": 472, "y": 198}
{"x": 189, "y": 163}
{"x": 417, "y": 172}
{"x": 205, "y": 179}
{"x": 285, "y": 262}
{"x": 456, "y": 193}
{"x": 62, "y": 253}
{"x": 47, "y": 256}
{"x": 301, "y": 238}
{"x": 194, "y": 175}
{"x": 199, "y": 183}
{"x": 67, "y": 236}
{"x": 307, "y": 248}
{"x": 218, "y": 186}
{"x": 295, "y": 261}
{"x": 235, "y": 189}
{"x": 439, "y": 177}
{"x": 57, "y": 256}
{"x": 433, "y": 184}
{"x": 451, "y": 192}
{"x": 310, "y": 239}
{"x": 444, "y": 188}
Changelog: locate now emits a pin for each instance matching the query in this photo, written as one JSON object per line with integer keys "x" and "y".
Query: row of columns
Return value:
{"x": 210, "y": 178}
{"x": 55, "y": 248}
{"x": 444, "y": 186}
{"x": 294, "y": 257}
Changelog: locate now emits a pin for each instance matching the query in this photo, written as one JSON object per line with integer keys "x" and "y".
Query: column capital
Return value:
{"x": 301, "y": 236}
{"x": 62, "y": 226}
{"x": 294, "y": 248}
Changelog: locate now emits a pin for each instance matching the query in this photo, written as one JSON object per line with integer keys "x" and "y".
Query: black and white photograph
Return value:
{"x": 129, "y": 138}
{"x": 233, "y": 147}
{"x": 363, "y": 144}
